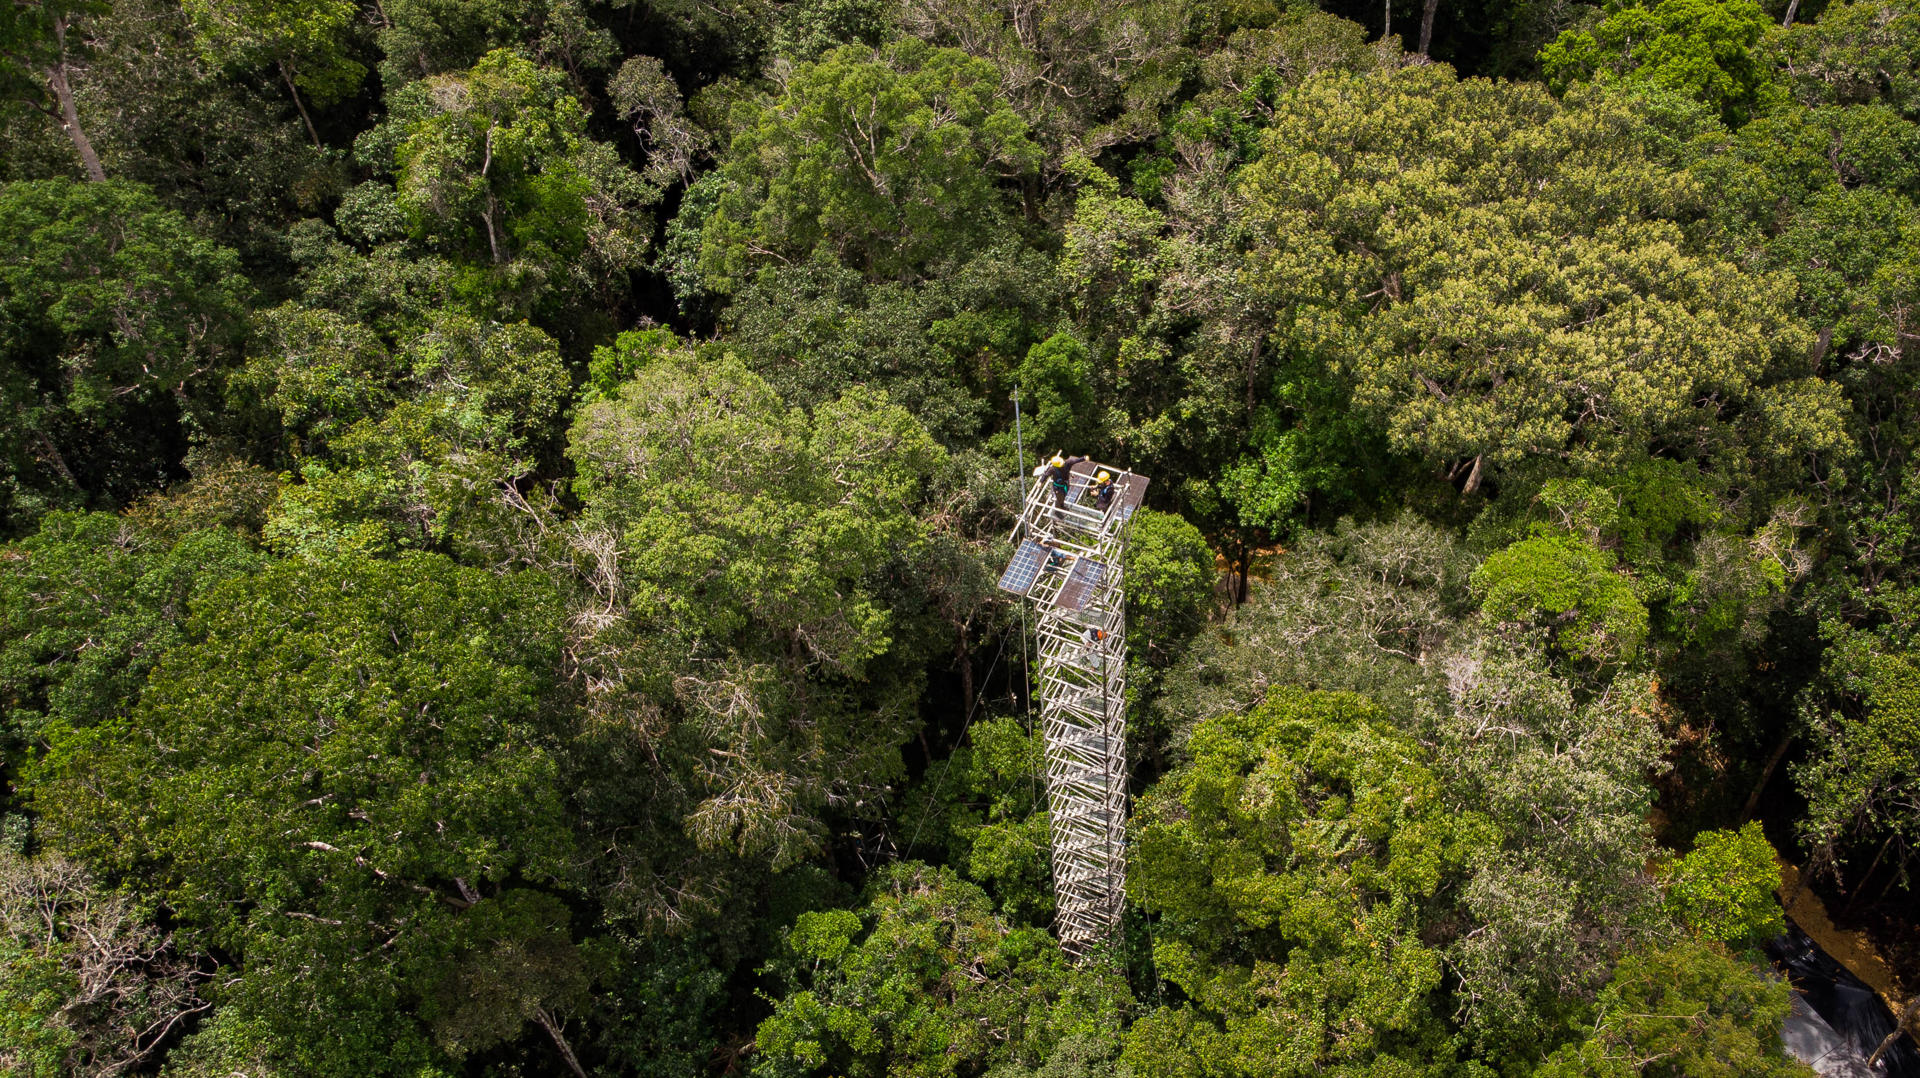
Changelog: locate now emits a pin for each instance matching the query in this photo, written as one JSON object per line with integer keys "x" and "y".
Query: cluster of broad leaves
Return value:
{"x": 500, "y": 503}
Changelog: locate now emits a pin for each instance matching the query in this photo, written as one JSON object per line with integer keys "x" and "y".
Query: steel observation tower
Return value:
{"x": 1068, "y": 563}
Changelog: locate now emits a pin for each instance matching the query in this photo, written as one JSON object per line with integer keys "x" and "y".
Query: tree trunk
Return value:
{"x": 1473, "y": 477}
{"x": 1253, "y": 374}
{"x": 1792, "y": 6}
{"x": 966, "y": 674}
{"x": 541, "y": 1015}
{"x": 70, "y": 116}
{"x": 1239, "y": 566}
{"x": 1853, "y": 897}
{"x": 1426, "y": 25}
{"x": 286, "y": 76}
{"x": 1388, "y": 31}
{"x": 1766, "y": 776}
{"x": 54, "y": 457}
{"x": 1908, "y": 1023}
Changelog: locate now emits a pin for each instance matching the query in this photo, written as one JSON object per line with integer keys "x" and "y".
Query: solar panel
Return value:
{"x": 1024, "y": 569}
{"x": 1078, "y": 479}
{"x": 1131, "y": 495}
{"x": 1081, "y": 583}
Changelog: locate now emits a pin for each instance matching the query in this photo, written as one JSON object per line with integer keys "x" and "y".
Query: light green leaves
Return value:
{"x": 1723, "y": 890}
{"x": 1502, "y": 279}
{"x": 1309, "y": 837}
{"x": 1701, "y": 48}
{"x": 1570, "y": 590}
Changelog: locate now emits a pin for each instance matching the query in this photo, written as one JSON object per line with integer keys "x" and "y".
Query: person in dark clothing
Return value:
{"x": 1056, "y": 558}
{"x": 1059, "y": 473}
{"x": 1103, "y": 490}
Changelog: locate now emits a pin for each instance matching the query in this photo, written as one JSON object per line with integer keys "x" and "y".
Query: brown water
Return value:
{"x": 1852, "y": 949}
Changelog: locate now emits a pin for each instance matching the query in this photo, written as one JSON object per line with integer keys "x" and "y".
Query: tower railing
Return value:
{"x": 1068, "y": 562}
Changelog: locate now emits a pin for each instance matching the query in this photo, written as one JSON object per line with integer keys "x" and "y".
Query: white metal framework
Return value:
{"x": 1068, "y": 562}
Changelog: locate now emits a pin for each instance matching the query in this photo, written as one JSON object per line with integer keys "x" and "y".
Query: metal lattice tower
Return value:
{"x": 1068, "y": 563}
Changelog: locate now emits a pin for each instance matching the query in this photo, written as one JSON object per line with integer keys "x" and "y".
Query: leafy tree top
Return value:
{"x": 1703, "y": 49}
{"x": 890, "y": 159}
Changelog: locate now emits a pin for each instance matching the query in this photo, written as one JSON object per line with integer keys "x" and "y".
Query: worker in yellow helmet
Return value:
{"x": 1059, "y": 472}
{"x": 1103, "y": 490}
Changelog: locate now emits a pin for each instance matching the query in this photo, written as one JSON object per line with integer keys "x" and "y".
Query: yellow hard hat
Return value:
{"x": 1057, "y": 460}
{"x": 1104, "y": 476}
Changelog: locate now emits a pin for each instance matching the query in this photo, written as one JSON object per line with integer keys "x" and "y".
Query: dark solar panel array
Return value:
{"x": 1024, "y": 569}
{"x": 1131, "y": 495}
{"x": 1077, "y": 481}
{"x": 1081, "y": 583}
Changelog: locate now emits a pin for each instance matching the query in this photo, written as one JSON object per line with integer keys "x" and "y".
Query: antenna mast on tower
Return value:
{"x": 1069, "y": 565}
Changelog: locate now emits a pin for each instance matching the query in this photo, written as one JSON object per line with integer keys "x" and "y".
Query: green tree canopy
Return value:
{"x": 1862, "y": 781}
{"x": 1293, "y": 865}
{"x": 307, "y": 42}
{"x": 495, "y": 167}
{"x": 1528, "y": 293}
{"x": 116, "y": 321}
{"x": 743, "y": 621}
{"x": 927, "y": 981}
{"x": 889, "y": 159}
{"x": 1723, "y": 889}
{"x": 1688, "y": 1009}
{"x": 1701, "y": 48}
{"x": 1856, "y": 53}
{"x": 88, "y": 605}
{"x": 1569, "y": 589}
{"x": 40, "y": 49}
{"x": 342, "y": 763}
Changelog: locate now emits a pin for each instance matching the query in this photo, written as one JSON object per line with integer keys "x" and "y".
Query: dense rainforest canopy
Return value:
{"x": 500, "y": 503}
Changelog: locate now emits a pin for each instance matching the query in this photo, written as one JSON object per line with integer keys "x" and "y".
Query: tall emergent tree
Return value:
{"x": 116, "y": 322}
{"x": 38, "y": 55}
{"x": 305, "y": 41}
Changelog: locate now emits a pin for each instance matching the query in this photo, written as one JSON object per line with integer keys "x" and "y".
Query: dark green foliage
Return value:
{"x": 659, "y": 1013}
{"x": 502, "y": 503}
{"x": 1863, "y": 780}
{"x": 342, "y": 765}
{"x": 926, "y": 980}
{"x": 494, "y": 167}
{"x": 1701, "y": 48}
{"x": 887, "y": 160}
{"x": 1857, "y": 53}
{"x": 88, "y": 605}
{"x": 1061, "y": 406}
{"x": 940, "y": 350}
{"x": 984, "y": 809}
{"x": 423, "y": 38}
{"x": 116, "y": 320}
